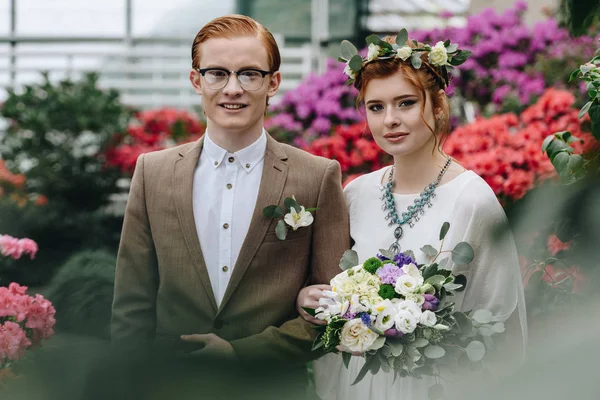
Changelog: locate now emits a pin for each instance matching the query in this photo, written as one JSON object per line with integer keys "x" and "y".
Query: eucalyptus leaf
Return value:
{"x": 281, "y": 230}
{"x": 420, "y": 342}
{"x": 402, "y": 38}
{"x": 482, "y": 316}
{"x": 355, "y": 63}
{"x": 379, "y": 342}
{"x": 462, "y": 253}
{"x": 347, "y": 50}
{"x": 349, "y": 260}
{"x": 396, "y": 347}
{"x": 386, "y": 351}
{"x": 291, "y": 203}
{"x": 273, "y": 212}
{"x": 499, "y": 327}
{"x": 373, "y": 39}
{"x": 387, "y": 254}
{"x": 452, "y": 48}
{"x": 464, "y": 323}
{"x": 444, "y": 230}
{"x": 346, "y": 357}
{"x": 410, "y": 254}
{"x": 475, "y": 351}
{"x": 415, "y": 60}
{"x": 429, "y": 250}
{"x": 434, "y": 352}
{"x": 486, "y": 330}
{"x": 443, "y": 263}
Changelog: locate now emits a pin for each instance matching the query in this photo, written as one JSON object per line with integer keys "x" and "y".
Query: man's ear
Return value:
{"x": 274, "y": 83}
{"x": 196, "y": 80}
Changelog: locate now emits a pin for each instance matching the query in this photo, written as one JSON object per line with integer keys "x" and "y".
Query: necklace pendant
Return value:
{"x": 411, "y": 223}
{"x": 398, "y": 232}
{"x": 395, "y": 248}
{"x": 417, "y": 218}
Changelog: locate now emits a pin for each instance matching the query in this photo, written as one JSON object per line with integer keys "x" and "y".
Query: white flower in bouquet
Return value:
{"x": 428, "y": 318}
{"x": 331, "y": 305}
{"x": 358, "y": 305}
{"x": 413, "y": 271}
{"x": 357, "y": 281}
{"x": 298, "y": 219}
{"x": 372, "y": 52}
{"x": 385, "y": 315}
{"x": 357, "y": 337}
{"x": 406, "y": 285}
{"x": 409, "y": 306}
{"x": 418, "y": 299}
{"x": 405, "y": 321}
{"x": 438, "y": 55}
{"x": 404, "y": 52}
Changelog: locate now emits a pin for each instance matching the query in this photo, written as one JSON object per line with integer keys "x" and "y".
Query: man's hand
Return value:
{"x": 214, "y": 346}
{"x": 309, "y": 298}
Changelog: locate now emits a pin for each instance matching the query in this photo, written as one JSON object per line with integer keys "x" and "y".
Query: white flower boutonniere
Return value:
{"x": 296, "y": 217}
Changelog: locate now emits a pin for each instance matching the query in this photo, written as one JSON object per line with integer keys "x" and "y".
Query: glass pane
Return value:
{"x": 4, "y": 18}
{"x": 70, "y": 18}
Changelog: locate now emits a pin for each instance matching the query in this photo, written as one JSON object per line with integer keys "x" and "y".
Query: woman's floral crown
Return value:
{"x": 444, "y": 55}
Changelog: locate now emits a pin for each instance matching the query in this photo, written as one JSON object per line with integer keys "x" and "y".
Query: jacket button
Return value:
{"x": 217, "y": 323}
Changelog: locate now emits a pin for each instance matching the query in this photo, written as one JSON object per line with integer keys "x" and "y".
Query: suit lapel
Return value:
{"x": 270, "y": 192}
{"x": 183, "y": 179}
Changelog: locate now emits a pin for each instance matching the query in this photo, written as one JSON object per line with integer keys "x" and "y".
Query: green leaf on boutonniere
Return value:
{"x": 291, "y": 203}
{"x": 349, "y": 260}
{"x": 273, "y": 212}
{"x": 281, "y": 230}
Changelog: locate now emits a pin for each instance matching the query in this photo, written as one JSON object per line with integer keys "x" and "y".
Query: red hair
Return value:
{"x": 230, "y": 26}
{"x": 426, "y": 79}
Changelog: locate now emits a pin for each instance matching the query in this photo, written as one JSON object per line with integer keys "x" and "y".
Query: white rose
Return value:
{"x": 372, "y": 52}
{"x": 428, "y": 318}
{"x": 349, "y": 72}
{"x": 385, "y": 315}
{"x": 438, "y": 55}
{"x": 413, "y": 270}
{"x": 404, "y": 53}
{"x": 357, "y": 337}
{"x": 410, "y": 307}
{"x": 298, "y": 219}
{"x": 405, "y": 322}
{"x": 406, "y": 285}
{"x": 418, "y": 299}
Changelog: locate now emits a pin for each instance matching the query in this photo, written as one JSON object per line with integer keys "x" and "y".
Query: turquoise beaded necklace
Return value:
{"x": 411, "y": 215}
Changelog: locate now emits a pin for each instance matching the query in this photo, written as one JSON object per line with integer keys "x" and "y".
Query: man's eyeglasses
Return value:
{"x": 217, "y": 78}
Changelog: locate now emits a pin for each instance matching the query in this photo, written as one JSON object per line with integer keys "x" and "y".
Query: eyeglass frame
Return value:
{"x": 264, "y": 73}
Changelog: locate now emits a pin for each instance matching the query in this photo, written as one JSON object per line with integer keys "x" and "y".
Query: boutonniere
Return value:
{"x": 296, "y": 217}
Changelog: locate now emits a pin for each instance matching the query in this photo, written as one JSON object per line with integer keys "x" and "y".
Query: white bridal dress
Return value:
{"x": 493, "y": 277}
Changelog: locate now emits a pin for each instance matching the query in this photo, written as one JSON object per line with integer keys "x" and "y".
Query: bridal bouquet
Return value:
{"x": 399, "y": 314}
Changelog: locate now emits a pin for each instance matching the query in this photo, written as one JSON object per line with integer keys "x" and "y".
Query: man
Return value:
{"x": 199, "y": 263}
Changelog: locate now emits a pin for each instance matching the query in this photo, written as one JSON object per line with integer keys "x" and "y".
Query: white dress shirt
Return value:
{"x": 225, "y": 189}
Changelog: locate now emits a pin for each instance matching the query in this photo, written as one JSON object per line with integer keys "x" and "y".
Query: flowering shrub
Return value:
{"x": 15, "y": 248}
{"x": 24, "y": 322}
{"x": 505, "y": 149}
{"x": 12, "y": 185}
{"x": 153, "y": 130}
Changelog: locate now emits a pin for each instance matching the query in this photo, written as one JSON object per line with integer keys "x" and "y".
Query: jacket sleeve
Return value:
{"x": 292, "y": 341}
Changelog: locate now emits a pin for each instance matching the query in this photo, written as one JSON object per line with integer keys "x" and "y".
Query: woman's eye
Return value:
{"x": 375, "y": 107}
{"x": 407, "y": 103}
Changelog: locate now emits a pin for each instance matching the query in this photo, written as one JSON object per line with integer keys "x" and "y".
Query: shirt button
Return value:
{"x": 225, "y": 268}
{"x": 231, "y": 159}
{"x": 225, "y": 226}
{"x": 216, "y": 163}
{"x": 247, "y": 165}
{"x": 229, "y": 186}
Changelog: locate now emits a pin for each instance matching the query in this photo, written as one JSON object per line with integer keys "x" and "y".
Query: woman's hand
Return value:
{"x": 309, "y": 297}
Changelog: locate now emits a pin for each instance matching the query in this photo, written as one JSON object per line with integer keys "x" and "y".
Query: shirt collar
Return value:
{"x": 248, "y": 157}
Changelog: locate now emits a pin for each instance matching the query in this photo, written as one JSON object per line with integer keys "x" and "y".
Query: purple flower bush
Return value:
{"x": 511, "y": 66}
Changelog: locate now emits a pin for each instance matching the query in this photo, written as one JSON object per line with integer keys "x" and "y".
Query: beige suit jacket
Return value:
{"x": 162, "y": 286}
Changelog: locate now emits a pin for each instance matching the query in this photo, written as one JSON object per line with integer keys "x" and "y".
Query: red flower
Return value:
{"x": 555, "y": 245}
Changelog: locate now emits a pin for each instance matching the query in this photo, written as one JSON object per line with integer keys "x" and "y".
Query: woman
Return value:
{"x": 407, "y": 112}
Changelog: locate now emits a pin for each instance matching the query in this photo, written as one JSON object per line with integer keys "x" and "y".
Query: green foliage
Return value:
{"x": 579, "y": 16}
{"x": 82, "y": 293}
{"x": 56, "y": 136}
{"x": 372, "y": 264}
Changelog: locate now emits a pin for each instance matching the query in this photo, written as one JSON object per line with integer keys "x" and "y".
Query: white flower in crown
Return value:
{"x": 348, "y": 71}
{"x": 404, "y": 53}
{"x": 438, "y": 55}
{"x": 373, "y": 52}
{"x": 298, "y": 219}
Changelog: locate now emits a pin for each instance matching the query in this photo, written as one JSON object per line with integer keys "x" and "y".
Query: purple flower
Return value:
{"x": 431, "y": 302}
{"x": 501, "y": 93}
{"x": 393, "y": 332}
{"x": 321, "y": 125}
{"x": 349, "y": 315}
{"x": 402, "y": 259}
{"x": 366, "y": 319}
{"x": 389, "y": 273}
